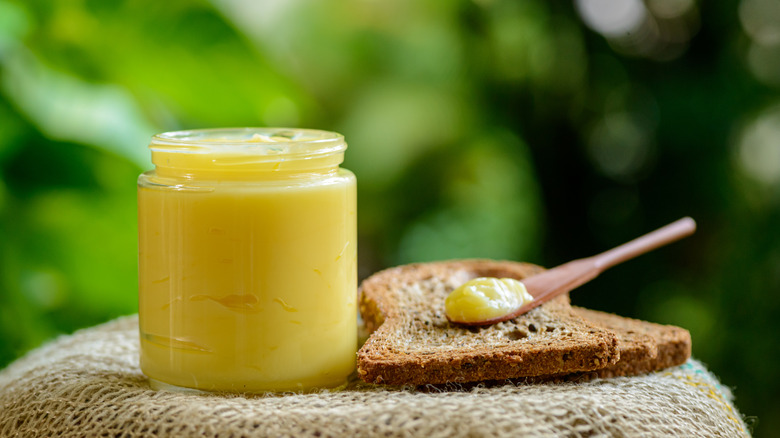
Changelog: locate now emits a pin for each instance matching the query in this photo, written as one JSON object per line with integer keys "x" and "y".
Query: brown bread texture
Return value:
{"x": 644, "y": 346}
{"x": 412, "y": 343}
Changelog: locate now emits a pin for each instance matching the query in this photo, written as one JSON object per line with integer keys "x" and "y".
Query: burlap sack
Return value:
{"x": 89, "y": 384}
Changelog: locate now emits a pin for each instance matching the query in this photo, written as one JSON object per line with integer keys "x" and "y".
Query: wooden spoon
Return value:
{"x": 553, "y": 282}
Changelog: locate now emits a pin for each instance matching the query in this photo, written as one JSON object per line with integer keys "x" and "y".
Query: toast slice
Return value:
{"x": 644, "y": 346}
{"x": 412, "y": 343}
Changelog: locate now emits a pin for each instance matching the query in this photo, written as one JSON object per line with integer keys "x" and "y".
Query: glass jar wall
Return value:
{"x": 247, "y": 260}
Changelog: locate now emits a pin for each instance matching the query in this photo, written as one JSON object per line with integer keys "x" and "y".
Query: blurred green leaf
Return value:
{"x": 430, "y": 118}
{"x": 66, "y": 108}
{"x": 490, "y": 207}
{"x": 76, "y": 250}
{"x": 15, "y": 24}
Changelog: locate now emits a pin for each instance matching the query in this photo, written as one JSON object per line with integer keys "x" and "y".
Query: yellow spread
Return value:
{"x": 483, "y": 298}
{"x": 247, "y": 271}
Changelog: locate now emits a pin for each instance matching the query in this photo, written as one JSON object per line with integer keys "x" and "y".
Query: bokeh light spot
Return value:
{"x": 764, "y": 63}
{"x": 761, "y": 20}
{"x": 759, "y": 148}
{"x": 619, "y": 146}
{"x": 670, "y": 9}
{"x": 612, "y": 17}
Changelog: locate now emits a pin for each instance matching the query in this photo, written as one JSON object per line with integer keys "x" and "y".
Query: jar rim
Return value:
{"x": 253, "y": 140}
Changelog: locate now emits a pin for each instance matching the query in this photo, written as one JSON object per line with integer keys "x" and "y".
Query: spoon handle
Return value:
{"x": 553, "y": 282}
{"x": 650, "y": 241}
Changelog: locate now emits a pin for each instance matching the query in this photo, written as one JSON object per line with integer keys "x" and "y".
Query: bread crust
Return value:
{"x": 644, "y": 346}
{"x": 411, "y": 343}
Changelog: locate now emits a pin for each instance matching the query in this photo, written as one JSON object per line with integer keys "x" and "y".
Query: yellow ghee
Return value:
{"x": 247, "y": 261}
{"x": 485, "y": 298}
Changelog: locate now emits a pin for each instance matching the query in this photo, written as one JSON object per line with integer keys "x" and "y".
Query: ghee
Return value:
{"x": 485, "y": 298}
{"x": 247, "y": 261}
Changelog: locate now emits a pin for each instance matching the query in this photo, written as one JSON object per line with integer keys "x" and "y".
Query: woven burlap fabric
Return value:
{"x": 89, "y": 384}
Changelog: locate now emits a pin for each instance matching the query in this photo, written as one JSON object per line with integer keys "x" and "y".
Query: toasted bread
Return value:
{"x": 644, "y": 346}
{"x": 412, "y": 343}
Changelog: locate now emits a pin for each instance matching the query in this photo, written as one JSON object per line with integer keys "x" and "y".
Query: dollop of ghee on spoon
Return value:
{"x": 485, "y": 298}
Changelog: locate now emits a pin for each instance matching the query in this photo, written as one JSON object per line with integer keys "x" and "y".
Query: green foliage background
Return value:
{"x": 490, "y": 128}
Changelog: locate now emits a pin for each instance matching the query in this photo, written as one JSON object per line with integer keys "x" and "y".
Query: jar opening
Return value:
{"x": 254, "y": 141}
{"x": 234, "y": 153}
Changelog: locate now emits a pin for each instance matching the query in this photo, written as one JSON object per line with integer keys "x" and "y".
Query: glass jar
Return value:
{"x": 247, "y": 260}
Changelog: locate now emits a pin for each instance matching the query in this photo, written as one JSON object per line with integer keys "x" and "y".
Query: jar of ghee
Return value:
{"x": 247, "y": 261}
